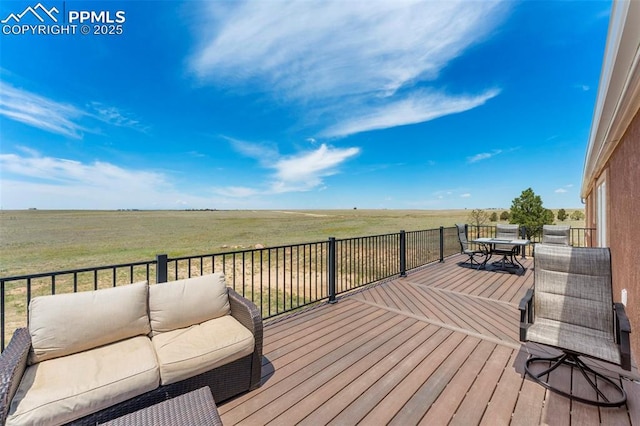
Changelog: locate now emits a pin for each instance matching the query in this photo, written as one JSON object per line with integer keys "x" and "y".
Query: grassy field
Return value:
{"x": 33, "y": 241}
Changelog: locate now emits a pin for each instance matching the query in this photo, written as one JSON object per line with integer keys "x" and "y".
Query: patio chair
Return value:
{"x": 556, "y": 234}
{"x": 571, "y": 308}
{"x": 506, "y": 232}
{"x": 464, "y": 246}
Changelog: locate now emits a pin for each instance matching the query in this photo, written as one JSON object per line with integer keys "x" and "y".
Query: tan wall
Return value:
{"x": 623, "y": 234}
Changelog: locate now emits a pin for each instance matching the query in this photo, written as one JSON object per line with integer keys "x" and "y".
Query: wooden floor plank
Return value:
{"x": 475, "y": 402}
{"x": 529, "y": 406}
{"x": 385, "y": 396}
{"x": 447, "y": 403}
{"x": 503, "y": 400}
{"x": 344, "y": 390}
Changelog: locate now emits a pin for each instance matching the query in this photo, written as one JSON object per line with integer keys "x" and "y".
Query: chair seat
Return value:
{"x": 583, "y": 340}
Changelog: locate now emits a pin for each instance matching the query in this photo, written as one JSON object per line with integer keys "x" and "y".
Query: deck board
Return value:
{"x": 439, "y": 346}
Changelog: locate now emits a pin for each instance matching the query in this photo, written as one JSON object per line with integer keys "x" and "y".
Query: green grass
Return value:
{"x": 43, "y": 241}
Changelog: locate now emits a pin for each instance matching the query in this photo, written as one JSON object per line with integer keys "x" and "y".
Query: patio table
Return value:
{"x": 490, "y": 244}
{"x": 194, "y": 408}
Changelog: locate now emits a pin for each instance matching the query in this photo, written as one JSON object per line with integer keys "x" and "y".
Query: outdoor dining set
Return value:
{"x": 507, "y": 243}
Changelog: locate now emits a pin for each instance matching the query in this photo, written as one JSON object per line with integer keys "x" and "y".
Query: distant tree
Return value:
{"x": 562, "y": 215}
{"x": 478, "y": 217}
{"x": 505, "y": 215}
{"x": 577, "y": 215}
{"x": 493, "y": 217}
{"x": 527, "y": 210}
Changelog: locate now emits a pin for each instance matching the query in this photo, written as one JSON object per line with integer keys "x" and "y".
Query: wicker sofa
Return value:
{"x": 90, "y": 357}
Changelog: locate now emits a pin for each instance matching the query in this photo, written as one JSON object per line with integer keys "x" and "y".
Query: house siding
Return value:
{"x": 623, "y": 226}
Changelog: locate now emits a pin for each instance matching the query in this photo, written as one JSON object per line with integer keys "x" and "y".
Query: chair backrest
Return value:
{"x": 556, "y": 234}
{"x": 573, "y": 286}
{"x": 462, "y": 236}
{"x": 508, "y": 232}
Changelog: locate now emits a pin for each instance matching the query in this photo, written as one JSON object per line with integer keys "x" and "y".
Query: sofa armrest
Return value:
{"x": 13, "y": 363}
{"x": 623, "y": 328}
{"x": 526, "y": 314}
{"x": 248, "y": 314}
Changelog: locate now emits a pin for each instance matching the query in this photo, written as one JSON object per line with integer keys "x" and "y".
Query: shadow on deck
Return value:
{"x": 439, "y": 346}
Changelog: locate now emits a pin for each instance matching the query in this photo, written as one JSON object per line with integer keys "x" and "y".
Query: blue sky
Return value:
{"x": 297, "y": 104}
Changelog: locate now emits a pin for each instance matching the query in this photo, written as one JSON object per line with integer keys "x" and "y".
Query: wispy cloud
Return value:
{"x": 417, "y": 108}
{"x": 465, "y": 195}
{"x": 38, "y": 111}
{"x": 564, "y": 189}
{"x": 371, "y": 56}
{"x": 114, "y": 116}
{"x": 483, "y": 156}
{"x": 59, "y": 117}
{"x": 301, "y": 171}
{"x": 49, "y": 182}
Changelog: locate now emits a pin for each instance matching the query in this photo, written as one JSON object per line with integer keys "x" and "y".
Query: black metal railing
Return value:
{"x": 277, "y": 279}
{"x": 578, "y": 237}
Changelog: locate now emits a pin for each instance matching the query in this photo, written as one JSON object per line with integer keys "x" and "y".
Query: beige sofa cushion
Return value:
{"x": 179, "y": 304}
{"x": 186, "y": 352}
{"x": 65, "y": 324}
{"x": 59, "y": 390}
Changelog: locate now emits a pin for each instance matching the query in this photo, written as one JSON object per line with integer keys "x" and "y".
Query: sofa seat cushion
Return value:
{"x": 59, "y": 390}
{"x": 190, "y": 351}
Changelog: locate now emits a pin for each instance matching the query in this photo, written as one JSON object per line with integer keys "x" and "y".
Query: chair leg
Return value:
{"x": 572, "y": 360}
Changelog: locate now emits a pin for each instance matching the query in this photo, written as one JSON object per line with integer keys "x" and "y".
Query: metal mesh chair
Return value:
{"x": 556, "y": 234}
{"x": 464, "y": 246}
{"x": 571, "y": 308}
{"x": 506, "y": 232}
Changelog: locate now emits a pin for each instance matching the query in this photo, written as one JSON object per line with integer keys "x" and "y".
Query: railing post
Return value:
{"x": 403, "y": 254}
{"x": 332, "y": 270}
{"x": 441, "y": 244}
{"x": 523, "y": 235}
{"x": 161, "y": 268}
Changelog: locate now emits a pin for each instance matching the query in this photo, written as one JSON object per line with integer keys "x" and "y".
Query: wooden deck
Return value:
{"x": 437, "y": 347}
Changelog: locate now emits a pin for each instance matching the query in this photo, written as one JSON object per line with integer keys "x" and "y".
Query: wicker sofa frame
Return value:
{"x": 225, "y": 381}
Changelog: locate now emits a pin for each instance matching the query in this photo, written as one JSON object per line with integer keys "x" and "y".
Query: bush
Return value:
{"x": 493, "y": 217}
{"x": 577, "y": 215}
{"x": 505, "y": 215}
{"x": 562, "y": 215}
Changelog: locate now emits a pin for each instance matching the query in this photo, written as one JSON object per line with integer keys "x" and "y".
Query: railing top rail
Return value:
{"x": 76, "y": 271}
{"x": 248, "y": 250}
{"x": 368, "y": 236}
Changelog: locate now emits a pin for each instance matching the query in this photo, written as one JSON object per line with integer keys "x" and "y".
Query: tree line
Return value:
{"x": 526, "y": 210}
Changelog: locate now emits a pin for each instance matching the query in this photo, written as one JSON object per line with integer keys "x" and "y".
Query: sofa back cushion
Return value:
{"x": 64, "y": 324}
{"x": 182, "y": 303}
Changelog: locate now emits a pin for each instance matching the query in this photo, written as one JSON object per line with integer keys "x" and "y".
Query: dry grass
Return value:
{"x": 42, "y": 241}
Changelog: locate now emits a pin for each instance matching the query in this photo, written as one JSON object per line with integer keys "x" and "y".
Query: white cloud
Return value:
{"x": 34, "y": 180}
{"x": 40, "y": 112}
{"x": 560, "y": 191}
{"x": 57, "y": 117}
{"x": 338, "y": 58}
{"x": 465, "y": 195}
{"x": 483, "y": 156}
{"x": 302, "y": 171}
{"x": 418, "y": 108}
{"x": 114, "y": 116}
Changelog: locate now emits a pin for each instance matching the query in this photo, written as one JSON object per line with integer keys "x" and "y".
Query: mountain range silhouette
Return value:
{"x": 34, "y": 11}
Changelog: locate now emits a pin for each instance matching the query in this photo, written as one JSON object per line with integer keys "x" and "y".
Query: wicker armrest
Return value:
{"x": 623, "y": 328}
{"x": 526, "y": 314}
{"x": 13, "y": 363}
{"x": 248, "y": 314}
